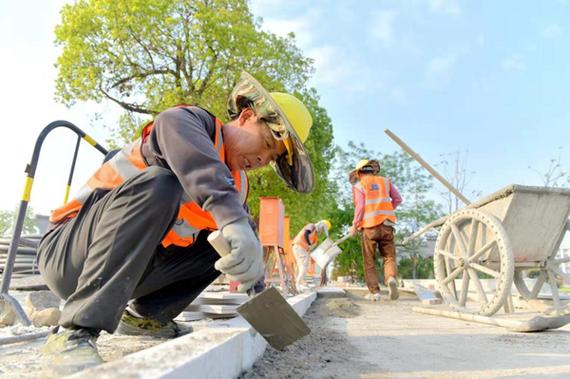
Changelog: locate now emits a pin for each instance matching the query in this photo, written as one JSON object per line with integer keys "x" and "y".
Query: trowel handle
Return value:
{"x": 219, "y": 243}
{"x": 222, "y": 247}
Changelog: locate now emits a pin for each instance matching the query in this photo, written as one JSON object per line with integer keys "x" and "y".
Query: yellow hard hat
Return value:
{"x": 373, "y": 164}
{"x": 327, "y": 224}
{"x": 289, "y": 121}
{"x": 361, "y": 163}
{"x": 296, "y": 112}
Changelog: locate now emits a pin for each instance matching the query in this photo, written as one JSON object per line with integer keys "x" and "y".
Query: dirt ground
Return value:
{"x": 354, "y": 338}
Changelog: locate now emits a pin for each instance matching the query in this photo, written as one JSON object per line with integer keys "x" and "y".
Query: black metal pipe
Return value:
{"x": 31, "y": 170}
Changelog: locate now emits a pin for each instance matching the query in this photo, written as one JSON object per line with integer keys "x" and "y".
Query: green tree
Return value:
{"x": 146, "y": 55}
{"x": 8, "y": 218}
{"x": 149, "y": 55}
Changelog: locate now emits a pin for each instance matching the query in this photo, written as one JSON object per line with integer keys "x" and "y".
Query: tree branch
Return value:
{"x": 130, "y": 107}
{"x": 140, "y": 76}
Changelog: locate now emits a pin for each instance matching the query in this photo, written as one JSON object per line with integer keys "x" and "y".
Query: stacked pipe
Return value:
{"x": 26, "y": 261}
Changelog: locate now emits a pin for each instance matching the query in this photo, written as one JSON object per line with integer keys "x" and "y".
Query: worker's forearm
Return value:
{"x": 395, "y": 196}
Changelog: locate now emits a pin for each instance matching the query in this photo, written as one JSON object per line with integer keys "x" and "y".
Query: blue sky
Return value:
{"x": 490, "y": 78}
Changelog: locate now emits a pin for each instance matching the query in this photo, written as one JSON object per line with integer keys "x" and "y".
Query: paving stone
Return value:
{"x": 40, "y": 300}
{"x": 46, "y": 317}
{"x": 7, "y": 315}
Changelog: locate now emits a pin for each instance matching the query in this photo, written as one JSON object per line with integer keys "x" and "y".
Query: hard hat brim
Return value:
{"x": 353, "y": 174}
{"x": 299, "y": 174}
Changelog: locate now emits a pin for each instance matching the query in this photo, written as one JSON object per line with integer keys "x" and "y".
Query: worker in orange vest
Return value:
{"x": 305, "y": 241}
{"x": 129, "y": 252}
{"x": 375, "y": 199}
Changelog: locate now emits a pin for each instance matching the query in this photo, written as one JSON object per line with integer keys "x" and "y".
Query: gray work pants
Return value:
{"x": 110, "y": 253}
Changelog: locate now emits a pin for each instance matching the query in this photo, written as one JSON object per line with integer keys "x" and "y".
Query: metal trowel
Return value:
{"x": 267, "y": 312}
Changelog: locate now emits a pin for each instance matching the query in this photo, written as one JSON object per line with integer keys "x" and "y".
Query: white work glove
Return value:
{"x": 245, "y": 261}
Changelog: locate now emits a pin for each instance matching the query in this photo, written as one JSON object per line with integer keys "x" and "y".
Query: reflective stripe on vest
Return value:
{"x": 129, "y": 162}
{"x": 302, "y": 241}
{"x": 377, "y": 204}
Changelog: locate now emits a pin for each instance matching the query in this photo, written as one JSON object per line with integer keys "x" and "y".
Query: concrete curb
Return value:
{"x": 222, "y": 350}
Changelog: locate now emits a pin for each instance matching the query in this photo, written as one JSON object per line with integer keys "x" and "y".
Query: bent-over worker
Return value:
{"x": 136, "y": 233}
{"x": 303, "y": 243}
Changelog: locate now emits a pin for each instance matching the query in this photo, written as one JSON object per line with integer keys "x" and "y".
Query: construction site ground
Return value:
{"x": 355, "y": 338}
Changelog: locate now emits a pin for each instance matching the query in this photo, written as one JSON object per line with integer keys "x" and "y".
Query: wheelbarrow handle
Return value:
{"x": 341, "y": 240}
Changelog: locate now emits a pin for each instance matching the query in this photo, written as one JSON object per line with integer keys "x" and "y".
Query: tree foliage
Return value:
{"x": 8, "y": 219}
{"x": 149, "y": 55}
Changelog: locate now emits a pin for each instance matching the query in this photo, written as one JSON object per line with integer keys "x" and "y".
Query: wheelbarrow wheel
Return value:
{"x": 471, "y": 246}
{"x": 549, "y": 273}
{"x": 525, "y": 292}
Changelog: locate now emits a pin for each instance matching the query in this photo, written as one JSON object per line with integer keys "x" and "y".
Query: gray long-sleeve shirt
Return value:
{"x": 182, "y": 140}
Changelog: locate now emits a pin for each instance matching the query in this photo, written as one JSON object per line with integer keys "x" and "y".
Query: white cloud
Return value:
{"x": 331, "y": 67}
{"x": 445, "y": 6}
{"x": 513, "y": 63}
{"x": 301, "y": 27}
{"x": 552, "y": 31}
{"x": 383, "y": 26}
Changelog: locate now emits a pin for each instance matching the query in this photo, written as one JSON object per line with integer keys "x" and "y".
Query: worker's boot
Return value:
{"x": 70, "y": 351}
{"x": 393, "y": 288}
{"x": 135, "y": 325}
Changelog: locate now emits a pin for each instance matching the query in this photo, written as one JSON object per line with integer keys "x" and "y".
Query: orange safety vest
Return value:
{"x": 129, "y": 162}
{"x": 377, "y": 201}
{"x": 302, "y": 241}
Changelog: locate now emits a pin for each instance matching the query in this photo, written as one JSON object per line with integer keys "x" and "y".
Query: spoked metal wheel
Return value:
{"x": 548, "y": 273}
{"x": 473, "y": 245}
{"x": 525, "y": 292}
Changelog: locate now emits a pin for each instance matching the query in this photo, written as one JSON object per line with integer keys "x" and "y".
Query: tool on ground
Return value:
{"x": 267, "y": 312}
{"x": 327, "y": 251}
{"x": 535, "y": 324}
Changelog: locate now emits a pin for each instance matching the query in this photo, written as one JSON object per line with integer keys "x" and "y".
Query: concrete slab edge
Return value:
{"x": 222, "y": 350}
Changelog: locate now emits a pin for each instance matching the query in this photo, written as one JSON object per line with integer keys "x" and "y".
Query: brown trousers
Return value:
{"x": 381, "y": 237}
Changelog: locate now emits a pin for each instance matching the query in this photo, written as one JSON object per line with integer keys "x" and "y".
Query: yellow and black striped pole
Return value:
{"x": 26, "y": 196}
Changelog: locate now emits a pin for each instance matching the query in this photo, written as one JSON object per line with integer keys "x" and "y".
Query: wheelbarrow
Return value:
{"x": 501, "y": 236}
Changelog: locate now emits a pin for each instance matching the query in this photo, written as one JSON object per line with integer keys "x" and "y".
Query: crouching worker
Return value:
{"x": 375, "y": 199}
{"x": 129, "y": 253}
{"x": 303, "y": 244}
